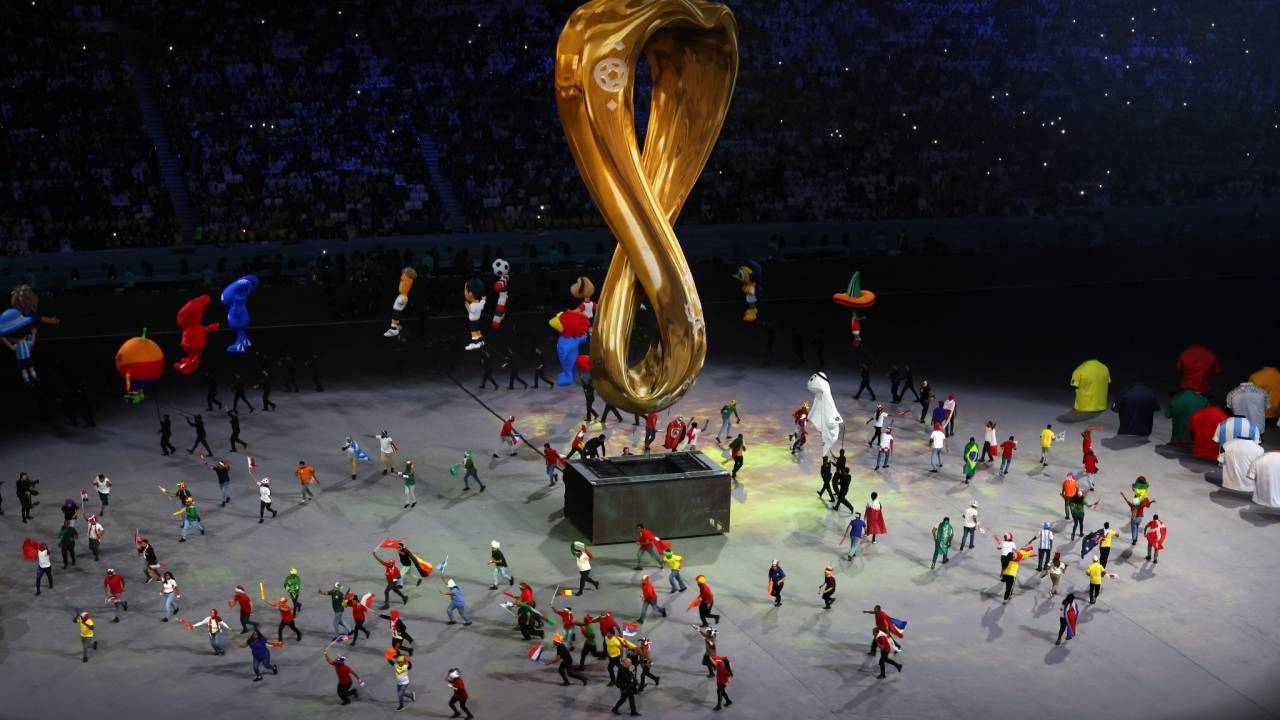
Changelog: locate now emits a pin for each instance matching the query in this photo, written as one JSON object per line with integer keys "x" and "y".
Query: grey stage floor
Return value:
{"x": 1193, "y": 637}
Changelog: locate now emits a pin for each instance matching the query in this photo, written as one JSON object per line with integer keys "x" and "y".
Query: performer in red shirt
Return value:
{"x": 242, "y": 599}
{"x": 650, "y": 430}
{"x": 705, "y": 601}
{"x": 459, "y": 698}
{"x": 345, "y": 674}
{"x": 553, "y": 461}
{"x": 113, "y": 586}
{"x": 286, "y": 618}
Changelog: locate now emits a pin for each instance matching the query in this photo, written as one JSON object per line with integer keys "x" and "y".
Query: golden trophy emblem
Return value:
{"x": 691, "y": 47}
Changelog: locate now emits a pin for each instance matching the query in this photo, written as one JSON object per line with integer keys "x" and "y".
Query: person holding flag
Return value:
{"x": 884, "y": 623}
{"x": 508, "y": 438}
{"x": 286, "y": 618}
{"x": 95, "y": 531}
{"x": 359, "y": 612}
{"x": 345, "y": 675}
{"x": 970, "y": 457}
{"x": 401, "y": 664}
{"x": 564, "y": 656}
{"x": 264, "y": 492}
{"x": 566, "y": 616}
{"x": 708, "y": 635}
{"x": 588, "y": 639}
{"x": 705, "y": 601}
{"x": 87, "y": 638}
{"x": 338, "y": 601}
{"x": 354, "y": 454}
{"x": 642, "y": 660}
{"x": 410, "y": 559}
{"x": 1010, "y": 572}
{"x": 1155, "y": 532}
{"x": 214, "y": 625}
{"x": 113, "y": 589}
{"x": 1067, "y": 619}
{"x": 190, "y": 518}
{"x": 614, "y": 642}
{"x": 470, "y": 472}
{"x": 579, "y": 443}
{"x": 391, "y": 572}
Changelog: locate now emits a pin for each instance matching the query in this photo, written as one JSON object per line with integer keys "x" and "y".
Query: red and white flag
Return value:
{"x": 252, "y": 463}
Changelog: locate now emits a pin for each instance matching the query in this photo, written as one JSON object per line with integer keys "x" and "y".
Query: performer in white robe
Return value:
{"x": 1265, "y": 473}
{"x": 823, "y": 414}
{"x": 1237, "y": 456}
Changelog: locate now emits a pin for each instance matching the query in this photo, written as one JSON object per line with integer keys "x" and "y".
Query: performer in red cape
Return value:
{"x": 1067, "y": 622}
{"x": 883, "y": 623}
{"x": 1156, "y": 531}
{"x": 875, "y": 518}
{"x": 801, "y": 417}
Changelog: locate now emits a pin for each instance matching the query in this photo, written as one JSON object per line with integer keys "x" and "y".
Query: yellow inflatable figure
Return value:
{"x": 1091, "y": 380}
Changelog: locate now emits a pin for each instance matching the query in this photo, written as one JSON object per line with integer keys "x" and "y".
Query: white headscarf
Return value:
{"x": 823, "y": 414}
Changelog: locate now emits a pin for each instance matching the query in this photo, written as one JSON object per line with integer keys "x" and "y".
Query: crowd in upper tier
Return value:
{"x": 344, "y": 119}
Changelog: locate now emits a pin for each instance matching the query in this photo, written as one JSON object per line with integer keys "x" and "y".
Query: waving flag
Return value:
{"x": 1090, "y": 541}
{"x": 423, "y": 565}
{"x": 898, "y": 626}
{"x": 30, "y": 549}
{"x": 564, "y": 592}
{"x": 252, "y": 463}
{"x": 186, "y": 624}
{"x": 629, "y": 630}
{"x": 388, "y": 543}
{"x": 535, "y": 652}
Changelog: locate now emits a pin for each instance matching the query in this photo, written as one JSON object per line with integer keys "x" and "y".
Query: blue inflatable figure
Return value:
{"x": 236, "y": 297}
{"x": 574, "y": 328}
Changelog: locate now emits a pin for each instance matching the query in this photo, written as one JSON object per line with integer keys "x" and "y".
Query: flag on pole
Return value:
{"x": 186, "y": 624}
{"x": 423, "y": 565}
{"x": 564, "y": 592}
{"x": 252, "y": 463}
{"x": 535, "y": 652}
{"x": 629, "y": 630}
{"x": 30, "y": 549}
{"x": 275, "y": 643}
{"x": 388, "y": 543}
{"x": 367, "y": 600}
{"x": 444, "y": 564}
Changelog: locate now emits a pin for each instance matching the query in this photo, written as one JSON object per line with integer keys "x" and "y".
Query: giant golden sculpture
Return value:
{"x": 692, "y": 51}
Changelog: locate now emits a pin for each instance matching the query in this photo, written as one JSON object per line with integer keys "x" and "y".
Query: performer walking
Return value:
{"x": 827, "y": 588}
{"x": 196, "y": 422}
{"x": 166, "y": 434}
{"x": 211, "y": 392}
{"x": 648, "y": 599}
{"x": 113, "y": 590}
{"x": 706, "y": 601}
{"x": 565, "y": 657}
{"x": 1006, "y": 454}
{"x": 626, "y": 682}
{"x": 87, "y": 638}
{"x": 456, "y": 602}
{"x": 306, "y": 477}
{"x": 401, "y": 640}
{"x": 286, "y": 618}
{"x": 642, "y": 660}
{"x": 101, "y": 485}
{"x": 724, "y": 674}
{"x": 970, "y": 456}
{"x": 1067, "y": 620}
{"x": 410, "y": 481}
{"x": 875, "y": 518}
{"x": 169, "y": 590}
{"x": 708, "y": 635}
{"x": 498, "y": 562}
{"x": 237, "y": 387}
{"x": 459, "y": 697}
{"x": 508, "y": 439}
{"x": 259, "y": 650}
{"x": 942, "y": 534}
{"x": 736, "y": 450}
{"x": 1155, "y": 532}
{"x": 345, "y": 677}
{"x": 391, "y": 572}
{"x": 650, "y": 430}
{"x": 970, "y": 524}
{"x": 824, "y": 471}
{"x": 1045, "y": 546}
{"x": 843, "y": 479}
{"x": 1095, "y": 571}
{"x": 582, "y": 557}
{"x": 884, "y": 452}
{"x": 728, "y": 415}
{"x": 400, "y": 664}
{"x": 675, "y": 434}
{"x": 470, "y": 472}
{"x": 877, "y": 422}
{"x": 1054, "y": 569}
{"x": 1046, "y": 444}
{"x": 264, "y": 497}
{"x": 386, "y": 451}
{"x": 190, "y": 518}
{"x": 359, "y": 612}
{"x": 511, "y": 361}
{"x": 865, "y": 375}
{"x": 338, "y": 602}
{"x": 649, "y": 543}
{"x": 886, "y": 644}
{"x": 214, "y": 625}
{"x": 234, "y": 418}
{"x": 989, "y": 443}
{"x": 244, "y": 603}
{"x": 856, "y": 528}
{"x": 223, "y": 471}
{"x": 553, "y": 460}
{"x": 777, "y": 578}
{"x": 409, "y": 559}
{"x": 95, "y": 531}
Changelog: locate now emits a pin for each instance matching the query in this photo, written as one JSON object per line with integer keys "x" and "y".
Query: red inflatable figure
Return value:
{"x": 194, "y": 334}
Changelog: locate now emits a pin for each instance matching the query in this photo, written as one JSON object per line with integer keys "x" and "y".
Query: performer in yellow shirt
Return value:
{"x": 1095, "y": 571}
{"x": 87, "y": 640}
{"x": 613, "y": 644}
{"x": 1104, "y": 545}
{"x": 1046, "y": 442}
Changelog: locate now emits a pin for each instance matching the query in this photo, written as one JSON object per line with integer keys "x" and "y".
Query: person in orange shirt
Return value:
{"x": 1069, "y": 490}
{"x": 306, "y": 475}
